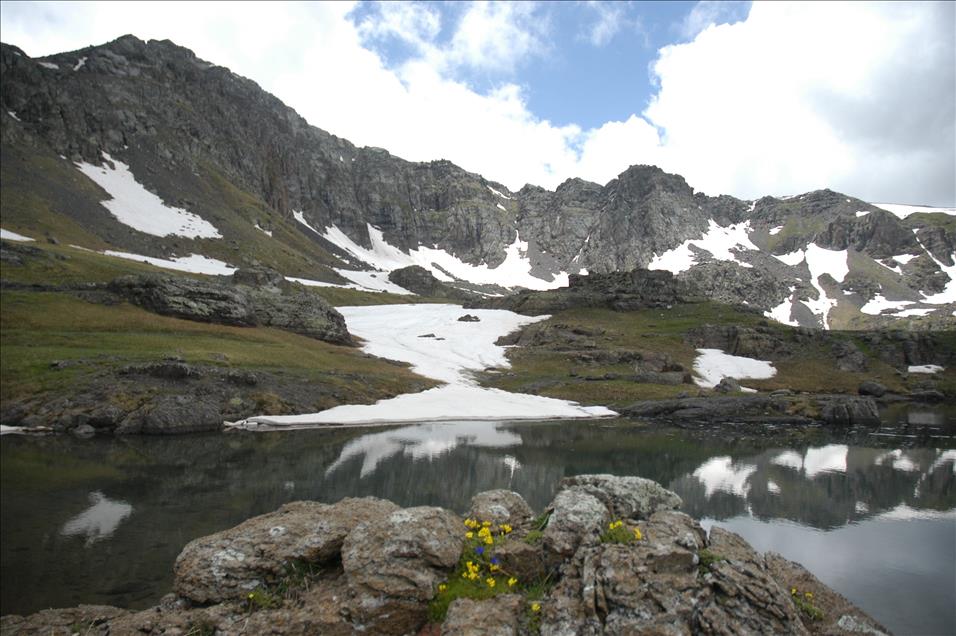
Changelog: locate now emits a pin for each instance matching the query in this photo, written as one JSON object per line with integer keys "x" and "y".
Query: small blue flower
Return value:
{"x": 479, "y": 550}
{"x": 494, "y": 560}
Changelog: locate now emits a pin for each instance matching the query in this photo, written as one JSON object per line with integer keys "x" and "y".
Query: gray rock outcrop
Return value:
{"x": 256, "y": 553}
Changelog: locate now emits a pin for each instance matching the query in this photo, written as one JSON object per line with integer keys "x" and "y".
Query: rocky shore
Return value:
{"x": 609, "y": 555}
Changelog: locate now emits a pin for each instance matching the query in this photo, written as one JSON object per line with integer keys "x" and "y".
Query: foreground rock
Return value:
{"x": 614, "y": 557}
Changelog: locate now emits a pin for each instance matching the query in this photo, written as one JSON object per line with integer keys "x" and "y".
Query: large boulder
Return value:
{"x": 419, "y": 280}
{"x": 624, "y": 497}
{"x": 849, "y": 410}
{"x": 500, "y": 506}
{"x": 250, "y": 300}
{"x": 188, "y": 298}
{"x": 576, "y": 517}
{"x": 394, "y": 565}
{"x": 258, "y": 552}
{"x": 172, "y": 415}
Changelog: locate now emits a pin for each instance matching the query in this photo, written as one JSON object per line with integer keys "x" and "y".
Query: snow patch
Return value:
{"x": 713, "y": 365}
{"x": 515, "y": 271}
{"x": 720, "y": 242}
{"x": 819, "y": 261}
{"x": 948, "y": 295}
{"x": 496, "y": 193}
{"x": 194, "y": 263}
{"x": 775, "y": 230}
{"x": 861, "y": 213}
{"x": 80, "y": 63}
{"x": 49, "y": 65}
{"x": 140, "y": 209}
{"x": 924, "y": 368}
{"x": 13, "y": 236}
{"x": 783, "y": 313}
{"x": 903, "y": 211}
{"x": 501, "y": 207}
{"x": 374, "y": 281}
{"x": 14, "y": 115}
{"x": 455, "y": 351}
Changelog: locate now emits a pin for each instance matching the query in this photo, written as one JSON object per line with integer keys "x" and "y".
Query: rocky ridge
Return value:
{"x": 614, "y": 556}
{"x": 129, "y": 100}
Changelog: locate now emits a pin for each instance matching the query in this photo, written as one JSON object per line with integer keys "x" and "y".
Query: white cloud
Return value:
{"x": 858, "y": 97}
{"x": 707, "y": 13}
{"x": 609, "y": 20}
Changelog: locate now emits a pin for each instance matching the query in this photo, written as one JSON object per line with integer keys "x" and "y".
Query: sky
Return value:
{"x": 748, "y": 99}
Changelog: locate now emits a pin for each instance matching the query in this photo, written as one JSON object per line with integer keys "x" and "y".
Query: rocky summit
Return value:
{"x": 260, "y": 185}
{"x": 609, "y": 555}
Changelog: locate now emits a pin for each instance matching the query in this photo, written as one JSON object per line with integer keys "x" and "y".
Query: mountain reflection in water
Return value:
{"x": 869, "y": 518}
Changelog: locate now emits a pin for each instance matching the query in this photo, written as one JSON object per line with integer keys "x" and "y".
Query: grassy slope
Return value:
{"x": 810, "y": 368}
{"x": 38, "y": 328}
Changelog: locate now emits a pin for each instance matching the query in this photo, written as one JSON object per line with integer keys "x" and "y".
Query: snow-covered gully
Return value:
{"x": 438, "y": 346}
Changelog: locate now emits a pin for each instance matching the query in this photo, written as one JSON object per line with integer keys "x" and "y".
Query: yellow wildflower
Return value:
{"x": 473, "y": 576}
{"x": 535, "y": 607}
{"x": 490, "y": 581}
{"x": 793, "y": 591}
{"x": 637, "y": 534}
{"x": 486, "y": 524}
{"x": 489, "y": 541}
{"x": 469, "y": 535}
{"x": 808, "y": 595}
{"x": 512, "y": 581}
{"x": 442, "y": 587}
{"x": 506, "y": 528}
{"x": 484, "y": 532}
{"x": 494, "y": 568}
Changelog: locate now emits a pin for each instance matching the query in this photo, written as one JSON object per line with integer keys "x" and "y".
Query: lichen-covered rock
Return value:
{"x": 498, "y": 616}
{"x": 521, "y": 559}
{"x": 576, "y": 518}
{"x": 745, "y": 598}
{"x": 500, "y": 506}
{"x": 394, "y": 565}
{"x": 625, "y": 497}
{"x": 60, "y": 622}
{"x": 257, "y": 552}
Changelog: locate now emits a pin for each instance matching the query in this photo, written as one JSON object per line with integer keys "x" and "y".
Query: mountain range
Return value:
{"x": 142, "y": 150}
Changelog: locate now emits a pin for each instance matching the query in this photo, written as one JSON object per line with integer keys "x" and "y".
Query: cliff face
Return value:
{"x": 215, "y": 143}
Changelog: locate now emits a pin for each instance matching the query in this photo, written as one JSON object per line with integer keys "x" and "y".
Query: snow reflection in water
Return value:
{"x": 99, "y": 521}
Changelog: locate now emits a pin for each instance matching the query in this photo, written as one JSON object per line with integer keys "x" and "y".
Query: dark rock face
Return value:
{"x": 761, "y": 342}
{"x": 622, "y": 291}
{"x": 421, "y": 281}
{"x": 240, "y": 305}
{"x": 668, "y": 577}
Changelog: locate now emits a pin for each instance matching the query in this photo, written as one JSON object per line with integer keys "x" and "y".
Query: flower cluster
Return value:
{"x": 805, "y": 603}
{"x": 617, "y": 532}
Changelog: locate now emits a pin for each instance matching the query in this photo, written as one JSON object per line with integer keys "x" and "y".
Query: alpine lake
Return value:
{"x": 872, "y": 513}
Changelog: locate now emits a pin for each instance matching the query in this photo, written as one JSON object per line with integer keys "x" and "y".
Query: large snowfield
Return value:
{"x": 438, "y": 346}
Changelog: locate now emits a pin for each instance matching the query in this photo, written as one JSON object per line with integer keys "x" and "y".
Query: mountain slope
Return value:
{"x": 130, "y": 120}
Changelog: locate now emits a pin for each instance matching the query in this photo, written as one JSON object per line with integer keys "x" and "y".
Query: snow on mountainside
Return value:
{"x": 237, "y": 178}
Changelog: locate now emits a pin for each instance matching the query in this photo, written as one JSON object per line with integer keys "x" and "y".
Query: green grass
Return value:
{"x": 38, "y": 328}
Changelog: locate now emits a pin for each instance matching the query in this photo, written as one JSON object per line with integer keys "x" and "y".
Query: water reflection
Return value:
{"x": 423, "y": 441}
{"x": 99, "y": 521}
{"x": 182, "y": 488}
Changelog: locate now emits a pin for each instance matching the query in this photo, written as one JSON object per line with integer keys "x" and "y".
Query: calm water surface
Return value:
{"x": 873, "y": 515}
